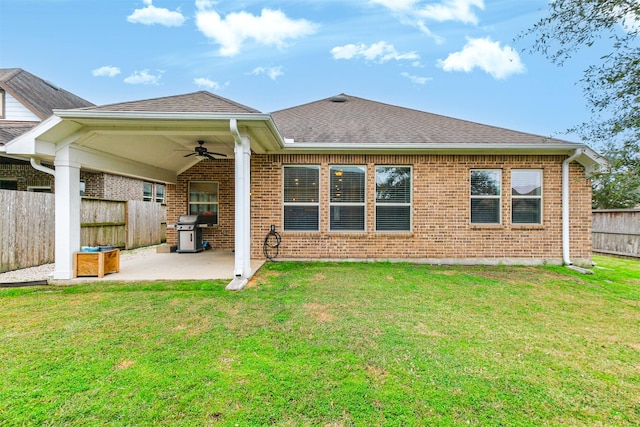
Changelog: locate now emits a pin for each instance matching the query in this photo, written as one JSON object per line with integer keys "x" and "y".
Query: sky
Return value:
{"x": 458, "y": 58}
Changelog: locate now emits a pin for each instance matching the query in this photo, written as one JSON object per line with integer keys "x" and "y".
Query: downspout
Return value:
{"x": 566, "y": 243}
{"x": 38, "y": 166}
{"x": 242, "y": 149}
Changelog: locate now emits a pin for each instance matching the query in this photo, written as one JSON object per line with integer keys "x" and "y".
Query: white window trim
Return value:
{"x": 410, "y": 204}
{"x": 364, "y": 203}
{"x": 285, "y": 203}
{"x": 150, "y": 197}
{"x": 164, "y": 193}
{"x": 499, "y": 197}
{"x": 528, "y": 197}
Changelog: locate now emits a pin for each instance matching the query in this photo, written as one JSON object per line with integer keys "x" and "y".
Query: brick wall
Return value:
{"x": 441, "y": 226}
{"x": 221, "y": 171}
{"x": 122, "y": 188}
{"x": 26, "y": 176}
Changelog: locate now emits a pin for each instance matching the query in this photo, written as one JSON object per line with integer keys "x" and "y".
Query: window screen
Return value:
{"x": 347, "y": 198}
{"x": 526, "y": 196}
{"x": 301, "y": 198}
{"x": 485, "y": 196}
{"x": 393, "y": 198}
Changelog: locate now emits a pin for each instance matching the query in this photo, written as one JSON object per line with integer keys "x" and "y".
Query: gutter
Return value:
{"x": 38, "y": 166}
{"x": 565, "y": 206}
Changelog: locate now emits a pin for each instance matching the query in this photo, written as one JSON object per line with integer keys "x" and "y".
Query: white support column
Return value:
{"x": 67, "y": 212}
{"x": 242, "y": 268}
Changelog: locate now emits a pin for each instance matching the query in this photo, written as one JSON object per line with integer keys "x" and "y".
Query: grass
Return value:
{"x": 329, "y": 344}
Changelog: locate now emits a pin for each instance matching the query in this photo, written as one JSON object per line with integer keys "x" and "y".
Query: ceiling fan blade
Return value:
{"x": 191, "y": 154}
{"x": 219, "y": 154}
{"x": 209, "y": 156}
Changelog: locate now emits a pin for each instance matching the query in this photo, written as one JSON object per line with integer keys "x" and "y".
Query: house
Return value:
{"x": 25, "y": 101}
{"x": 339, "y": 178}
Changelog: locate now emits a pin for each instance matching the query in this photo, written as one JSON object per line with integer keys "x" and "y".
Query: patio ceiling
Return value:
{"x": 143, "y": 145}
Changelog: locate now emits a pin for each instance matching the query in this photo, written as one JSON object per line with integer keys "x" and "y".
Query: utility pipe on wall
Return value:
{"x": 566, "y": 241}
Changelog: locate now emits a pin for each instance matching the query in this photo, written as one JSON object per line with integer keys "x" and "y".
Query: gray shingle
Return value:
{"x": 197, "y": 102}
{"x": 40, "y": 96}
{"x": 349, "y": 119}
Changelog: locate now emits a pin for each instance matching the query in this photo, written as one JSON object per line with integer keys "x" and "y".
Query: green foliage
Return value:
{"x": 611, "y": 84}
{"x": 333, "y": 344}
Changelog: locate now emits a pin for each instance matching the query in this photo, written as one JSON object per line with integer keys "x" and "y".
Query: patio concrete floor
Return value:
{"x": 150, "y": 265}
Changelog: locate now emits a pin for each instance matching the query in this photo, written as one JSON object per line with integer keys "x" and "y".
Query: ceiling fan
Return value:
{"x": 202, "y": 151}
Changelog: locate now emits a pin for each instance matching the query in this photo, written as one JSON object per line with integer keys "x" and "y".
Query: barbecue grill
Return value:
{"x": 189, "y": 234}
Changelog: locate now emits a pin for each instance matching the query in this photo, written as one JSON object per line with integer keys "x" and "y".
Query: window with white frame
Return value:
{"x": 301, "y": 186}
{"x": 160, "y": 189}
{"x": 2, "y": 103}
{"x": 147, "y": 191}
{"x": 393, "y": 198}
{"x": 526, "y": 196}
{"x": 485, "y": 196}
{"x": 203, "y": 199}
{"x": 347, "y": 198}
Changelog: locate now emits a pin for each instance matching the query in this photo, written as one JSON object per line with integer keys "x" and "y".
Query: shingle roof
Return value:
{"x": 349, "y": 119}
{"x": 197, "y": 102}
{"x": 40, "y": 96}
{"x": 10, "y": 130}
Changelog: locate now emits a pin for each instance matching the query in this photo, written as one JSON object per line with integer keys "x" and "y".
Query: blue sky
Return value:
{"x": 457, "y": 58}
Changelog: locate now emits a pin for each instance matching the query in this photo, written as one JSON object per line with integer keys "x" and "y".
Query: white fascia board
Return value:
{"x": 150, "y": 115}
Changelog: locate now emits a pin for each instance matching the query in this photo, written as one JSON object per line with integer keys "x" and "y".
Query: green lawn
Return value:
{"x": 328, "y": 344}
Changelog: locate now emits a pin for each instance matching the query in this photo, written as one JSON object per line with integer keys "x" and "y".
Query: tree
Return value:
{"x": 611, "y": 85}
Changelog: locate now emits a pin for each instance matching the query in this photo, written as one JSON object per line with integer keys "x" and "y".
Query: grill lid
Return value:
{"x": 188, "y": 219}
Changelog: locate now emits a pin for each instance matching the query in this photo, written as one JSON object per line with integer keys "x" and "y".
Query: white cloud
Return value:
{"x": 272, "y": 72}
{"x": 151, "y": 15}
{"x": 106, "y": 71}
{"x": 499, "y": 62}
{"x": 209, "y": 84}
{"x": 143, "y": 78}
{"x": 271, "y": 28}
{"x": 378, "y": 52}
{"x": 416, "y": 79}
{"x": 416, "y": 13}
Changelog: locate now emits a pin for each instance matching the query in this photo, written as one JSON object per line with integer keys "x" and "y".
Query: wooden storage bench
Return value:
{"x": 96, "y": 263}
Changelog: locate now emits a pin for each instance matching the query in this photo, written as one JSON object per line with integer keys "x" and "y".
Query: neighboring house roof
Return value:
{"x": 35, "y": 94}
{"x": 40, "y": 96}
{"x": 197, "y": 102}
{"x": 349, "y": 119}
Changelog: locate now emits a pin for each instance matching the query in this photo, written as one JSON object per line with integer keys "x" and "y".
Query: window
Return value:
{"x": 393, "y": 198}
{"x": 160, "y": 193}
{"x": 203, "y": 199}
{"x": 526, "y": 196}
{"x": 301, "y": 198}
{"x": 8, "y": 184}
{"x": 2, "y": 104}
{"x": 83, "y": 188}
{"x": 485, "y": 196}
{"x": 147, "y": 191}
{"x": 39, "y": 189}
{"x": 347, "y": 198}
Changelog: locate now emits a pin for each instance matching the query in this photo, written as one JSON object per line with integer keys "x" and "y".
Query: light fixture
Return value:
{"x": 338, "y": 173}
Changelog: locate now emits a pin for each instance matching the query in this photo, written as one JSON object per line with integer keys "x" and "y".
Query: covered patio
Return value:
{"x": 150, "y": 140}
{"x": 145, "y": 264}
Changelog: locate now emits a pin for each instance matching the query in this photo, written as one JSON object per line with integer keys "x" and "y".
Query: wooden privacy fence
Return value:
{"x": 26, "y": 229}
{"x": 617, "y": 232}
{"x": 27, "y": 226}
